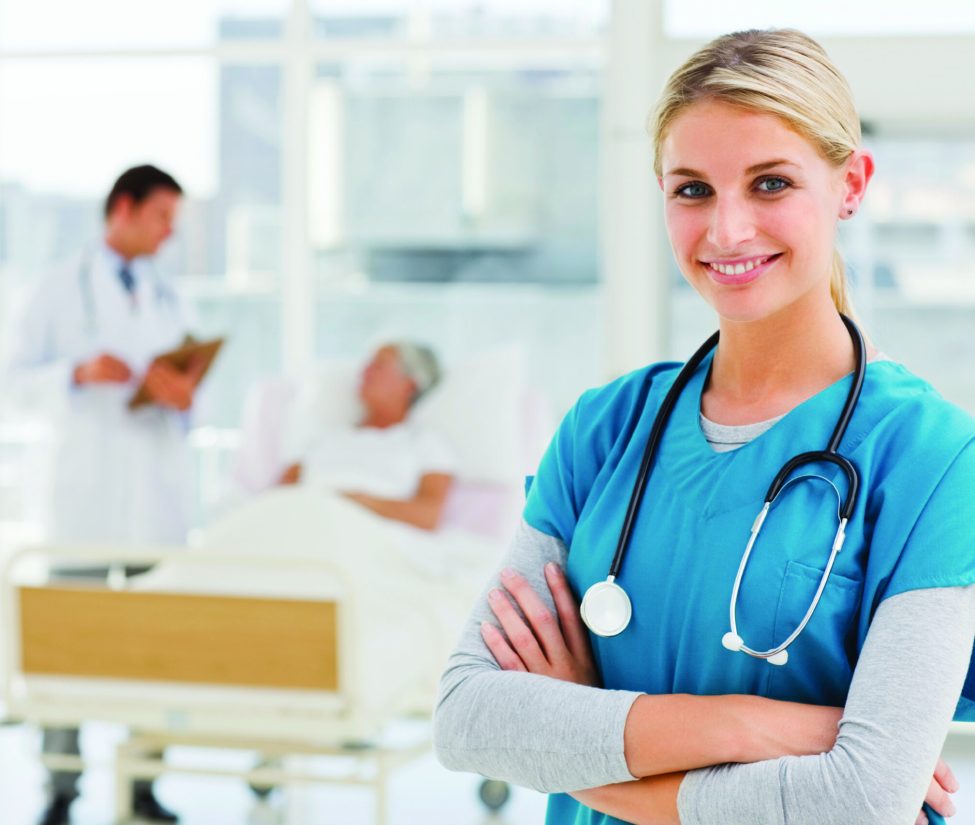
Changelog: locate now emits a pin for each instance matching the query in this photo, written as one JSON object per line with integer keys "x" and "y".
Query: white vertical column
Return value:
{"x": 633, "y": 252}
{"x": 297, "y": 288}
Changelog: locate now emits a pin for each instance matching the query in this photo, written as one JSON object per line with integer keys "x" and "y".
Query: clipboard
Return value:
{"x": 180, "y": 358}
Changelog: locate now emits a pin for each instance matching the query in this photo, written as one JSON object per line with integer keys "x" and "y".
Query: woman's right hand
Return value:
{"x": 943, "y": 784}
{"x": 550, "y": 645}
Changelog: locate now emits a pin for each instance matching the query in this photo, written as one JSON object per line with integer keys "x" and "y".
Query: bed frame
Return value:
{"x": 164, "y": 664}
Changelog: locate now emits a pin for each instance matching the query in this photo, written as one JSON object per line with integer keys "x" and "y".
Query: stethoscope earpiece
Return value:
{"x": 732, "y": 641}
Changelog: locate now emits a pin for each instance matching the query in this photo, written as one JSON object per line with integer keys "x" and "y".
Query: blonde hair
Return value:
{"x": 781, "y": 72}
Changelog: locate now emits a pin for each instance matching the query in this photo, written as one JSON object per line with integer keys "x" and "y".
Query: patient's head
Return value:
{"x": 397, "y": 375}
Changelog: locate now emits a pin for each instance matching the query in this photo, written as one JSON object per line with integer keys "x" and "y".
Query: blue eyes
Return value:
{"x": 772, "y": 184}
{"x": 695, "y": 190}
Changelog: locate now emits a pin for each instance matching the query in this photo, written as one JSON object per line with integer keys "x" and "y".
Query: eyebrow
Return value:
{"x": 751, "y": 170}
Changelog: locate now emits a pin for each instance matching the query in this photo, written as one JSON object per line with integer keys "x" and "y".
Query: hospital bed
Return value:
{"x": 298, "y": 626}
{"x": 279, "y": 655}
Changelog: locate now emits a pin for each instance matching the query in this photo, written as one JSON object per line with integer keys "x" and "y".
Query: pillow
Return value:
{"x": 326, "y": 397}
{"x": 476, "y": 408}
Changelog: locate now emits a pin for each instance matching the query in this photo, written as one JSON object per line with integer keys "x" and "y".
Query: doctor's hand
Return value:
{"x": 103, "y": 369}
{"x": 545, "y": 645}
{"x": 169, "y": 387}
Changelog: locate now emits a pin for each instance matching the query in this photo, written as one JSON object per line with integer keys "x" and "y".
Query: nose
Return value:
{"x": 732, "y": 224}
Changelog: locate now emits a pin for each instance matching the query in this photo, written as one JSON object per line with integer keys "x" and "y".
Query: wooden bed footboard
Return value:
{"x": 95, "y": 632}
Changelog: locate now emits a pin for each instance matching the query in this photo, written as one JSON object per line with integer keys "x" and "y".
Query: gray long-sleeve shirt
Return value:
{"x": 556, "y": 736}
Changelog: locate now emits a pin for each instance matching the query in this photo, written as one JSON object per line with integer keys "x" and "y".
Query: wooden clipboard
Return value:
{"x": 180, "y": 358}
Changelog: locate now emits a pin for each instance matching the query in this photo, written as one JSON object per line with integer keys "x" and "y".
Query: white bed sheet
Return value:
{"x": 404, "y": 592}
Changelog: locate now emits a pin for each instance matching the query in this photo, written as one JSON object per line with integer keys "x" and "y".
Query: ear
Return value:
{"x": 660, "y": 183}
{"x": 123, "y": 205}
{"x": 859, "y": 170}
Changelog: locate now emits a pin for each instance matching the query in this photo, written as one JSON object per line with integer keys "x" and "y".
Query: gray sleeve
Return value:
{"x": 531, "y": 730}
{"x": 904, "y": 692}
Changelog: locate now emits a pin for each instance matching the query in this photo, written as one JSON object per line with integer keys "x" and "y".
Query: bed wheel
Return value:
{"x": 494, "y": 794}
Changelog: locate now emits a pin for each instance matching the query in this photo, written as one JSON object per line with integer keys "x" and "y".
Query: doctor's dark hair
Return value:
{"x": 780, "y": 72}
{"x": 138, "y": 183}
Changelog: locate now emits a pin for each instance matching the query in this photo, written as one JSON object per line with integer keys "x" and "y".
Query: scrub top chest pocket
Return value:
{"x": 784, "y": 573}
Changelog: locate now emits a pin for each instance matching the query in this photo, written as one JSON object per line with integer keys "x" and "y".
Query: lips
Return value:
{"x": 740, "y": 270}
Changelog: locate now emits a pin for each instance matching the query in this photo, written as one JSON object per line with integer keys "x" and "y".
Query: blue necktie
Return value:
{"x": 125, "y": 276}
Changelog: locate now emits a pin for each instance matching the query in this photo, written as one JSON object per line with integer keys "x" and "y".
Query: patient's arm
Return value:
{"x": 422, "y": 510}
{"x": 292, "y": 475}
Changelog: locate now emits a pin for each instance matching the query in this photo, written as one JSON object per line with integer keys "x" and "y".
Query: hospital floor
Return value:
{"x": 419, "y": 792}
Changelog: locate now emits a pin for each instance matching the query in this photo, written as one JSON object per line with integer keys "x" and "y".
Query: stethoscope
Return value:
{"x": 606, "y": 609}
{"x": 163, "y": 294}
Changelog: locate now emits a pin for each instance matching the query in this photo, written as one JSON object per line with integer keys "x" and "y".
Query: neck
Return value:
{"x": 115, "y": 241}
{"x": 763, "y": 369}
{"x": 382, "y": 418}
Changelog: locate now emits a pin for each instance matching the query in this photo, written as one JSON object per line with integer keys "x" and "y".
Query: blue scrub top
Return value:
{"x": 913, "y": 527}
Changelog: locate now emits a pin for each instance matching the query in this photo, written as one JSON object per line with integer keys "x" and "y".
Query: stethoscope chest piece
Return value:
{"x": 606, "y": 609}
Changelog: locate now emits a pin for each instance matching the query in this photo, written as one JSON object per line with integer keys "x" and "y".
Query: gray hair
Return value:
{"x": 420, "y": 365}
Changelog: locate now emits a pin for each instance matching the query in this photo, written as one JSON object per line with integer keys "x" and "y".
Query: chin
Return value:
{"x": 744, "y": 309}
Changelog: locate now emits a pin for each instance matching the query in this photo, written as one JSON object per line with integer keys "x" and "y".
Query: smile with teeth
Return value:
{"x": 740, "y": 267}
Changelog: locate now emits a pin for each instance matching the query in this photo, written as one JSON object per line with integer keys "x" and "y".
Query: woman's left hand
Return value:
{"x": 545, "y": 645}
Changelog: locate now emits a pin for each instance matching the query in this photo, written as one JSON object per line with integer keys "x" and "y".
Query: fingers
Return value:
{"x": 568, "y": 610}
{"x": 520, "y": 636}
{"x": 946, "y": 777}
{"x": 500, "y": 649}
{"x": 103, "y": 368}
{"x": 160, "y": 385}
{"x": 543, "y": 622}
{"x": 163, "y": 372}
{"x": 939, "y": 799}
{"x": 168, "y": 386}
{"x": 196, "y": 368}
{"x": 117, "y": 368}
{"x": 922, "y": 819}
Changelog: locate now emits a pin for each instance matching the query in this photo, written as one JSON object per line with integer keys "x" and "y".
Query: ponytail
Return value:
{"x": 838, "y": 288}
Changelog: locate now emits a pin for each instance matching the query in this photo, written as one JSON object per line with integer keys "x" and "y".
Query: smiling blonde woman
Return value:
{"x": 804, "y": 675}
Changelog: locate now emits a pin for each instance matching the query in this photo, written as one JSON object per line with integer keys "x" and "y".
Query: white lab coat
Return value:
{"x": 118, "y": 475}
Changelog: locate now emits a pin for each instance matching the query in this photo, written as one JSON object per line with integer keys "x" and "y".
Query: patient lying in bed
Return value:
{"x": 386, "y": 463}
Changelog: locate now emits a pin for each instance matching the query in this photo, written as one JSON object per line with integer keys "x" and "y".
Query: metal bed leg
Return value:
{"x": 382, "y": 803}
{"x": 123, "y": 784}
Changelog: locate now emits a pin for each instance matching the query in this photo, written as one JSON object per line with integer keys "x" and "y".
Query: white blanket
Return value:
{"x": 405, "y": 591}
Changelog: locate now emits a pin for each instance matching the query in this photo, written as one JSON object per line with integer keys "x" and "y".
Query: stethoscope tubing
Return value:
{"x": 656, "y": 432}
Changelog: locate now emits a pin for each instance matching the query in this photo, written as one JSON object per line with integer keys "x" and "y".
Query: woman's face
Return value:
{"x": 751, "y": 209}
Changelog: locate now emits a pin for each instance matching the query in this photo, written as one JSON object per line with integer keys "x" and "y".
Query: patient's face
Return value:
{"x": 383, "y": 383}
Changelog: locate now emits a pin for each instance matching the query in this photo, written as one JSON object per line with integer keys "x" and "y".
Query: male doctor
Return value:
{"x": 86, "y": 341}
